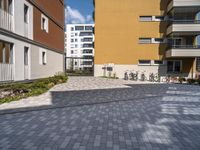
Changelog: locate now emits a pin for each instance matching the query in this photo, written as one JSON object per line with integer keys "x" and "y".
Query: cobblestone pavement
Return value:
{"x": 102, "y": 114}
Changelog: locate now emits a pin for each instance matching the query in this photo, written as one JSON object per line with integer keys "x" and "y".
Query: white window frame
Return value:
{"x": 145, "y": 64}
{"x": 155, "y": 64}
{"x": 45, "y": 27}
{"x": 42, "y": 60}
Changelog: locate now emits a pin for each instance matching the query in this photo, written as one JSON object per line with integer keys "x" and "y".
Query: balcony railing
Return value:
{"x": 6, "y": 20}
{"x": 184, "y": 47}
{"x": 6, "y": 72}
{"x": 183, "y": 3}
{"x": 185, "y": 21}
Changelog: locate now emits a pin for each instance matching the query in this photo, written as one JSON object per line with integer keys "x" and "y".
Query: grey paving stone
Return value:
{"x": 95, "y": 113}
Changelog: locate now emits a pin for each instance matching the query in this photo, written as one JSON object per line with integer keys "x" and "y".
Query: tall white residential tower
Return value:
{"x": 79, "y": 46}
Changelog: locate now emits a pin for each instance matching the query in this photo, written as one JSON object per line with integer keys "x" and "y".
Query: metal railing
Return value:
{"x": 6, "y": 72}
{"x": 6, "y": 20}
{"x": 184, "y": 47}
{"x": 185, "y": 21}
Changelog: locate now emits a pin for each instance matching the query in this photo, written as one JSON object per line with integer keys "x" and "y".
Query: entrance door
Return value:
{"x": 26, "y": 63}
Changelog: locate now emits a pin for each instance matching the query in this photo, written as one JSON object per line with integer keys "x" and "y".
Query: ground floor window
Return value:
{"x": 174, "y": 66}
{"x": 6, "y": 53}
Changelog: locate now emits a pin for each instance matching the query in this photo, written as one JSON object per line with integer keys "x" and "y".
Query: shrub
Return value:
{"x": 22, "y": 90}
{"x": 181, "y": 79}
{"x": 191, "y": 81}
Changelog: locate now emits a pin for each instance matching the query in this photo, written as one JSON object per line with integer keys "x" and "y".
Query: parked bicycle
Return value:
{"x": 126, "y": 75}
{"x": 143, "y": 77}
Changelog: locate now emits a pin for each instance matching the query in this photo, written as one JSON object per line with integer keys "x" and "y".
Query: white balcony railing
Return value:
{"x": 6, "y": 72}
{"x": 183, "y": 3}
{"x": 184, "y": 28}
{"x": 6, "y": 20}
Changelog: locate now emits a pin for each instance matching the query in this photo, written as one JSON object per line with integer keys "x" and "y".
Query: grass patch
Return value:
{"x": 17, "y": 91}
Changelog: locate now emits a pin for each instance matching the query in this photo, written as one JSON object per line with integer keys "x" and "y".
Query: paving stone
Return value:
{"x": 94, "y": 113}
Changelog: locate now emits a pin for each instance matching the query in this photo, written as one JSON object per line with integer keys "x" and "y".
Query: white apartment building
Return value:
{"x": 26, "y": 34}
{"x": 79, "y": 46}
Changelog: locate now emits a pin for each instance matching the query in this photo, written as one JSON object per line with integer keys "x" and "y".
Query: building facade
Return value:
{"x": 79, "y": 45}
{"x": 31, "y": 39}
{"x": 148, "y": 36}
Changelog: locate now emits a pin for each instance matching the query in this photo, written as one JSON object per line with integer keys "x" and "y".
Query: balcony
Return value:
{"x": 181, "y": 27}
{"x": 191, "y": 5}
{"x": 183, "y": 51}
{"x": 6, "y": 20}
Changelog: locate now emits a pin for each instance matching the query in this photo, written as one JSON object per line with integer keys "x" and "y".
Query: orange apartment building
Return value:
{"x": 148, "y": 36}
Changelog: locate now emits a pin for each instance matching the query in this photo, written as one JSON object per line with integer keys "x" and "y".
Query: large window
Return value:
{"x": 174, "y": 66}
{"x": 6, "y": 53}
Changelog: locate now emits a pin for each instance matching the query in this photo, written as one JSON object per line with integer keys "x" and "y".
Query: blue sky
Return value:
{"x": 79, "y": 11}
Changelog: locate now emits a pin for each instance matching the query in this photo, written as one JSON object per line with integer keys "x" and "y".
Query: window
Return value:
{"x": 158, "y": 40}
{"x": 144, "y": 62}
{"x": 88, "y": 28}
{"x": 6, "y": 53}
{"x": 87, "y": 40}
{"x": 87, "y": 45}
{"x": 72, "y": 29}
{"x": 72, "y": 52}
{"x": 145, "y": 40}
{"x": 1, "y": 4}
{"x": 26, "y": 13}
{"x": 79, "y": 28}
{"x": 76, "y": 40}
{"x": 76, "y": 34}
{"x": 88, "y": 57}
{"x": 26, "y": 56}
{"x": 145, "y": 18}
{"x": 10, "y": 7}
{"x": 86, "y": 33}
{"x": 44, "y": 23}
{"x": 174, "y": 66}
{"x": 158, "y": 62}
{"x": 72, "y": 40}
{"x": 44, "y": 58}
{"x": 87, "y": 51}
{"x": 159, "y": 18}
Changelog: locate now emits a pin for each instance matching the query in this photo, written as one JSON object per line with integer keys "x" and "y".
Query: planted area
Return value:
{"x": 17, "y": 91}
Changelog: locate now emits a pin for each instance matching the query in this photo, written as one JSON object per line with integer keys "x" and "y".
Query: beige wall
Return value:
{"x": 118, "y": 29}
{"x": 117, "y": 33}
{"x": 53, "y": 66}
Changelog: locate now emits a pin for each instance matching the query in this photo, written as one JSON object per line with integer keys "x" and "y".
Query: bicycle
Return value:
{"x": 151, "y": 77}
{"x": 156, "y": 78}
{"x": 126, "y": 75}
{"x": 143, "y": 77}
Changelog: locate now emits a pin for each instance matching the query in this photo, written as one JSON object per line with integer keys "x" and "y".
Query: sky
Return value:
{"x": 79, "y": 11}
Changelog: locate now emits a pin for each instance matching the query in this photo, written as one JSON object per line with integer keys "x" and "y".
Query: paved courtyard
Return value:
{"x": 102, "y": 114}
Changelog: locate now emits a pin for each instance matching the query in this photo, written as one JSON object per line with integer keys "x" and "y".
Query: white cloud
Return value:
{"x": 75, "y": 17}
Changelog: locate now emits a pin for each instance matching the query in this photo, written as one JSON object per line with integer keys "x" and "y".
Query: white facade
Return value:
{"x": 19, "y": 55}
{"x": 79, "y": 43}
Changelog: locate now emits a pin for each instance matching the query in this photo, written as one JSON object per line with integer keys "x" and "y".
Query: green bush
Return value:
{"x": 37, "y": 87}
